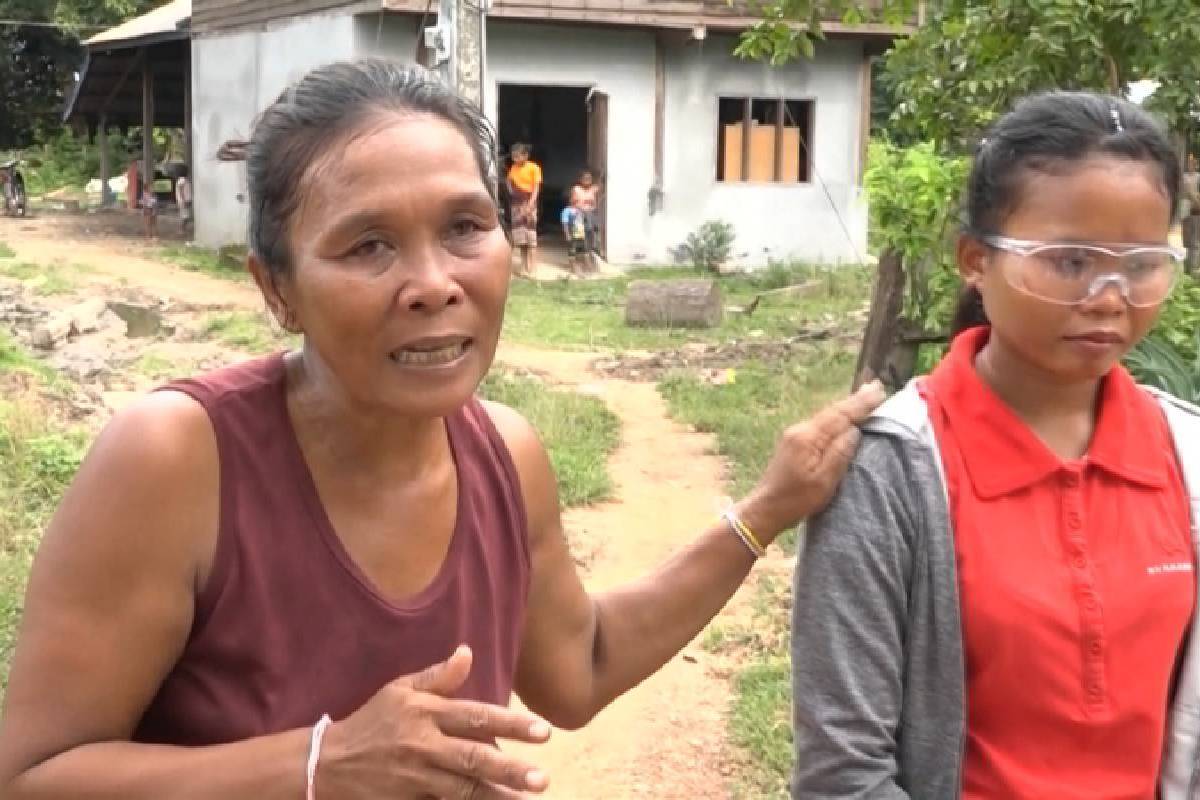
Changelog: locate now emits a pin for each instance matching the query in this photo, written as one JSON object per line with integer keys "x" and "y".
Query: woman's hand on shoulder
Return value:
{"x": 809, "y": 462}
{"x": 110, "y": 597}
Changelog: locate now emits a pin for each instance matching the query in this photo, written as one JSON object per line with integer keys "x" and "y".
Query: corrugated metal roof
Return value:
{"x": 163, "y": 21}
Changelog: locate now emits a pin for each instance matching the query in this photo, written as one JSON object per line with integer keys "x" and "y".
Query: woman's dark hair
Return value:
{"x": 317, "y": 115}
{"x": 1050, "y": 133}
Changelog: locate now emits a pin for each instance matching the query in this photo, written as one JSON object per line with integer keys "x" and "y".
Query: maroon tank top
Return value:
{"x": 287, "y": 627}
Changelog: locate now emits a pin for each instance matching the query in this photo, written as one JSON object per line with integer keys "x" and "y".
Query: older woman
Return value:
{"x": 345, "y": 533}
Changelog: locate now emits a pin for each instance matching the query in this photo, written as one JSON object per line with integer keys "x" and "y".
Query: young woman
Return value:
{"x": 997, "y": 602}
{"x": 346, "y": 533}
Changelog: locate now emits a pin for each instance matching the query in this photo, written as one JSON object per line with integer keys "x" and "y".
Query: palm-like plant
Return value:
{"x": 1156, "y": 363}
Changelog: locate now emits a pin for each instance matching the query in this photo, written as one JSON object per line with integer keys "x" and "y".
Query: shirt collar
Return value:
{"x": 1002, "y": 454}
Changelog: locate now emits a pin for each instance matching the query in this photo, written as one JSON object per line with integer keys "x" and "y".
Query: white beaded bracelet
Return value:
{"x": 314, "y": 755}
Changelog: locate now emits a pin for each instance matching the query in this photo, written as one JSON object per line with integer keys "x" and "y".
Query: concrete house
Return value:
{"x": 646, "y": 93}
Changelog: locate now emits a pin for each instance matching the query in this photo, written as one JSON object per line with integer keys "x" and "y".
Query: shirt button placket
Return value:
{"x": 1090, "y": 613}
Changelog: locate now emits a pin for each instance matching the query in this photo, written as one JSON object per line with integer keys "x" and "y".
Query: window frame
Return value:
{"x": 807, "y": 132}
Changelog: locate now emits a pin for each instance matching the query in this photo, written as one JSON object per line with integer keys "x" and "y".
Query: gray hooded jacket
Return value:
{"x": 877, "y": 652}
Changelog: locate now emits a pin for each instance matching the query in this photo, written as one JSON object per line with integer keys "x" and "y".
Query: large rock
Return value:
{"x": 54, "y": 331}
{"x": 141, "y": 321}
{"x": 687, "y": 303}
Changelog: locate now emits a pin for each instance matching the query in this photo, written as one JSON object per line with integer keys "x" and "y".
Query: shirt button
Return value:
{"x": 1095, "y": 649}
{"x": 1080, "y": 562}
{"x": 1074, "y": 520}
{"x": 1071, "y": 480}
{"x": 1091, "y": 605}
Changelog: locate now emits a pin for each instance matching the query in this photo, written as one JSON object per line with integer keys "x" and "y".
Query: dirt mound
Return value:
{"x": 714, "y": 358}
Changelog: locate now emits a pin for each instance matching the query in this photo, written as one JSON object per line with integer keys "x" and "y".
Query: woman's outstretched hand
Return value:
{"x": 809, "y": 462}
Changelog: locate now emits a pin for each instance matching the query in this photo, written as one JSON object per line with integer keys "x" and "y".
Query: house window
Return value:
{"x": 764, "y": 141}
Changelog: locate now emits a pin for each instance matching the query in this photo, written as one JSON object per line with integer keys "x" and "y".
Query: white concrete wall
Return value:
{"x": 234, "y": 77}
{"x": 773, "y": 221}
{"x": 617, "y": 62}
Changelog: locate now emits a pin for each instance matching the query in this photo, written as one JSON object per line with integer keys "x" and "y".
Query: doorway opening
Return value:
{"x": 562, "y": 125}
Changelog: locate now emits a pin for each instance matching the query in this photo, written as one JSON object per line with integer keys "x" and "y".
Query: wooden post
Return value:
{"x": 147, "y": 171}
{"x": 106, "y": 197}
{"x": 187, "y": 117}
{"x": 746, "y": 134}
{"x": 878, "y": 358}
{"x": 462, "y": 25}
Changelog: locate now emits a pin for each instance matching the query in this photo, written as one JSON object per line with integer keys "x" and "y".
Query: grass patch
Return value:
{"x": 211, "y": 262}
{"x": 578, "y": 431}
{"x": 748, "y": 414}
{"x": 13, "y": 358}
{"x": 157, "y": 367}
{"x": 45, "y": 279}
{"x": 591, "y": 314}
{"x": 37, "y": 461}
{"x": 760, "y": 717}
{"x": 6, "y": 251}
{"x": 247, "y": 331}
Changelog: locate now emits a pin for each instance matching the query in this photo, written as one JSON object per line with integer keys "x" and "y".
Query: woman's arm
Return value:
{"x": 108, "y": 612}
{"x": 848, "y": 621}
{"x": 582, "y": 651}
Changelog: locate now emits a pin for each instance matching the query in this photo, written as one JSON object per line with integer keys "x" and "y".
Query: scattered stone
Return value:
{"x": 53, "y": 332}
{"x": 90, "y": 315}
{"x": 141, "y": 321}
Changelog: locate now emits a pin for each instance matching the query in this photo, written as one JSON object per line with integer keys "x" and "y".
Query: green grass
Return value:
{"x": 578, "y": 431}
{"x": 247, "y": 331}
{"x": 759, "y": 718}
{"x": 37, "y": 461}
{"x": 6, "y": 251}
{"x": 46, "y": 279}
{"x": 13, "y": 358}
{"x": 211, "y": 262}
{"x": 158, "y": 367}
{"x": 748, "y": 414}
{"x": 591, "y": 314}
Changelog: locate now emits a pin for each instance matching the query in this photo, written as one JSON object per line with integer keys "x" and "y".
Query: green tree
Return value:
{"x": 973, "y": 58}
{"x": 38, "y": 61}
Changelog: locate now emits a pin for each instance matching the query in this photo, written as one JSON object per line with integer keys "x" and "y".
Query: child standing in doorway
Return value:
{"x": 575, "y": 231}
{"x": 525, "y": 186}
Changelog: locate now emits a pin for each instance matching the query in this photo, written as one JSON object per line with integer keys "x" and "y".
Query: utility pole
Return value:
{"x": 458, "y": 46}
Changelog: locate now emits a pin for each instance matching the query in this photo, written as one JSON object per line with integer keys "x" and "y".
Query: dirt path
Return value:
{"x": 666, "y": 738}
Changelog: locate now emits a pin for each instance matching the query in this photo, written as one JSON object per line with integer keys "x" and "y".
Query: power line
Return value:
{"x": 22, "y": 23}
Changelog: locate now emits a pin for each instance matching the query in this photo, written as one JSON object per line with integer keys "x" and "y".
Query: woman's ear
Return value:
{"x": 972, "y": 257}
{"x": 272, "y": 293}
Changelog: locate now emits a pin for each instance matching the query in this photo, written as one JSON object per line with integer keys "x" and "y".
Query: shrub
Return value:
{"x": 709, "y": 246}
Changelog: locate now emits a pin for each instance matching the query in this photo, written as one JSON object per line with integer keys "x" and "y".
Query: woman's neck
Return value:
{"x": 1061, "y": 413}
{"x": 378, "y": 443}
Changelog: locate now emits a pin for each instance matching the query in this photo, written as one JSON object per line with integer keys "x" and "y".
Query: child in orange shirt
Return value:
{"x": 525, "y": 187}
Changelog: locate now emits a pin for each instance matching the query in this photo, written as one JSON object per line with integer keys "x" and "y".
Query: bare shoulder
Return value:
{"x": 519, "y": 434}
{"x": 538, "y": 484}
{"x": 150, "y": 480}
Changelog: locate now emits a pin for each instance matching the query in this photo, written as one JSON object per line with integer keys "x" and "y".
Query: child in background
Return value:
{"x": 575, "y": 231}
{"x": 150, "y": 210}
{"x": 525, "y": 187}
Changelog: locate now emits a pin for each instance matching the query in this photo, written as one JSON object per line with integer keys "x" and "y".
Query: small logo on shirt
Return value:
{"x": 1164, "y": 569}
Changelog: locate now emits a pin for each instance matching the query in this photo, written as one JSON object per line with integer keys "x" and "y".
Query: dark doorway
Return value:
{"x": 553, "y": 121}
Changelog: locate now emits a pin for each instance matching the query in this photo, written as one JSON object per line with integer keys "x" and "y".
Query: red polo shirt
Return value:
{"x": 1077, "y": 586}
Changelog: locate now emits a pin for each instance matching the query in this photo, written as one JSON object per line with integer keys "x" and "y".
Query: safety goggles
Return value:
{"x": 1072, "y": 273}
